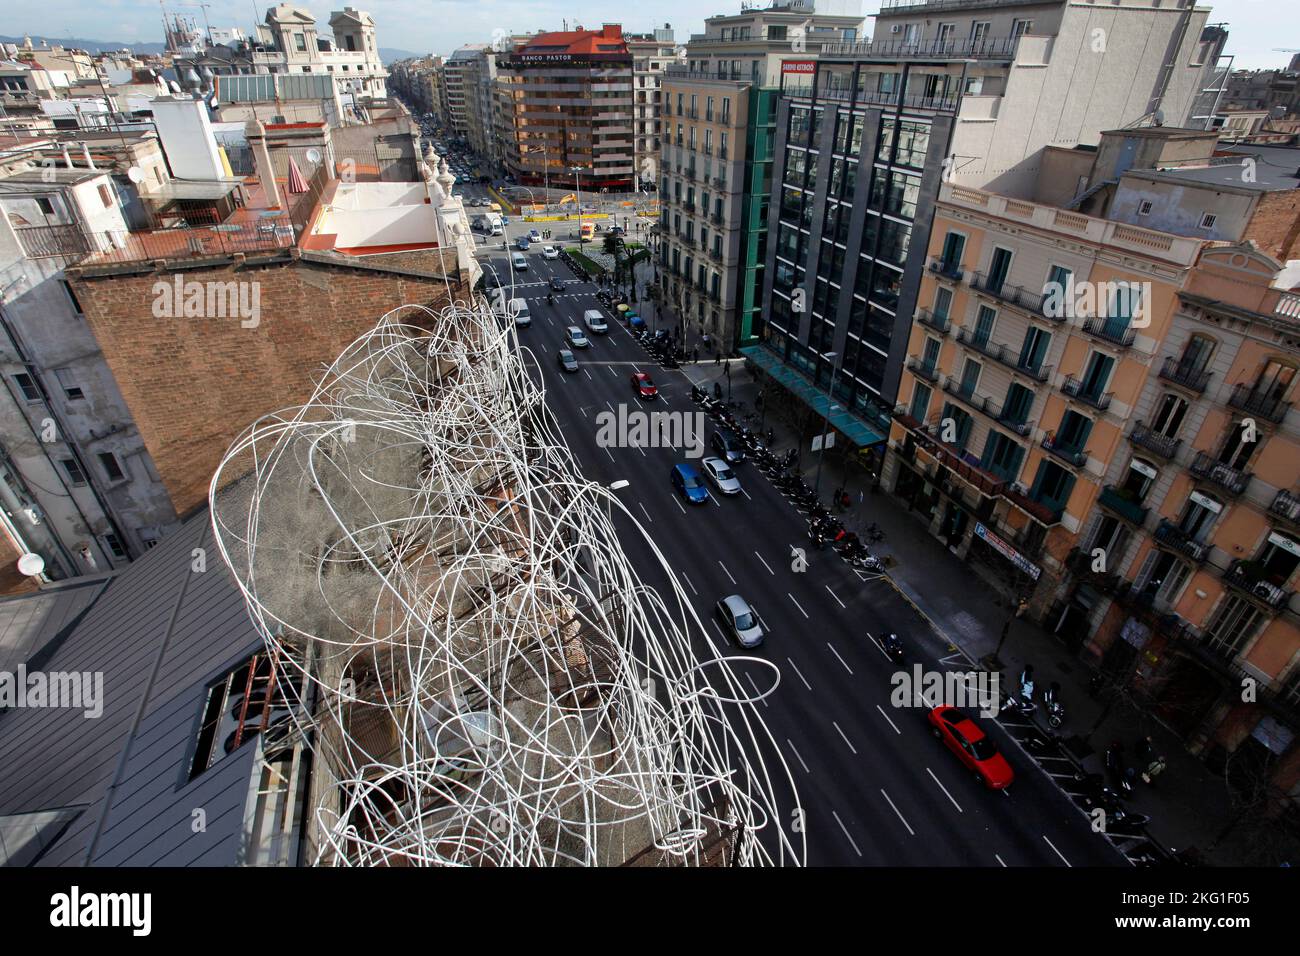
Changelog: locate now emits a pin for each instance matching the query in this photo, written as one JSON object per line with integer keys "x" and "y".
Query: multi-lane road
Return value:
{"x": 875, "y": 786}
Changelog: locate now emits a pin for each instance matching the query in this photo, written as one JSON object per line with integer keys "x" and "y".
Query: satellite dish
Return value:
{"x": 1159, "y": 117}
{"x": 135, "y": 174}
{"x": 313, "y": 155}
{"x": 31, "y": 564}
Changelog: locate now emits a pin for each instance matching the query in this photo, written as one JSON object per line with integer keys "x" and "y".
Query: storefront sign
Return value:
{"x": 798, "y": 66}
{"x": 1008, "y": 552}
{"x": 1207, "y": 503}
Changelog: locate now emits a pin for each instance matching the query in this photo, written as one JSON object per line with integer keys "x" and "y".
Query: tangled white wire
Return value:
{"x": 479, "y": 673}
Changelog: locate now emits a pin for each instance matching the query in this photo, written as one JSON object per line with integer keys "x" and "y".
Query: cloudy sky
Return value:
{"x": 439, "y": 26}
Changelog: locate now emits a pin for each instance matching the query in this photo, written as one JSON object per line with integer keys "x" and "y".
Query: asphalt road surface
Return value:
{"x": 875, "y": 786}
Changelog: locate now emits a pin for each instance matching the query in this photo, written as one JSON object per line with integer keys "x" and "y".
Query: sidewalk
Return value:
{"x": 1189, "y": 804}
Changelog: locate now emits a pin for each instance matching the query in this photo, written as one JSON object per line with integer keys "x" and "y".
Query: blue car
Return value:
{"x": 689, "y": 484}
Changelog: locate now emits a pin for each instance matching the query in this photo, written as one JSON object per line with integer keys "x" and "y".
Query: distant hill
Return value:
{"x": 387, "y": 54}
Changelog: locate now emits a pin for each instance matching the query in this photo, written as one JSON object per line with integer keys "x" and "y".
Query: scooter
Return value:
{"x": 1122, "y": 775}
{"x": 1052, "y": 705}
{"x": 893, "y": 647}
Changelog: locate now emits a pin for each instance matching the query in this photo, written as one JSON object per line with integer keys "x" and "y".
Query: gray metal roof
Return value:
{"x": 159, "y": 633}
{"x": 1276, "y": 168}
{"x": 29, "y": 622}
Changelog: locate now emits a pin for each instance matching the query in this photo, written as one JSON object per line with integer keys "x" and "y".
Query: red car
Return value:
{"x": 642, "y": 385}
{"x": 972, "y": 746}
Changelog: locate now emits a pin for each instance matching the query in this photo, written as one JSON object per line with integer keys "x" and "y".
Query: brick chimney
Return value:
{"x": 612, "y": 31}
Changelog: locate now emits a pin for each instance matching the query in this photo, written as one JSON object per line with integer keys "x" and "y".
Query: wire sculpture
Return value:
{"x": 484, "y": 679}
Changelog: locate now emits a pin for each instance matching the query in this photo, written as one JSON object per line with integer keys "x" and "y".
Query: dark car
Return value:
{"x": 689, "y": 484}
{"x": 567, "y": 362}
{"x": 726, "y": 444}
{"x": 557, "y": 284}
{"x": 643, "y": 386}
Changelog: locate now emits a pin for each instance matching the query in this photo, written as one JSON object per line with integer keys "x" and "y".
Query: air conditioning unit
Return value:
{"x": 896, "y": 28}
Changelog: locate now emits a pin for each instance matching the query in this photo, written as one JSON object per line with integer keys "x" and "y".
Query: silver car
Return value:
{"x": 740, "y": 621}
{"x": 721, "y": 476}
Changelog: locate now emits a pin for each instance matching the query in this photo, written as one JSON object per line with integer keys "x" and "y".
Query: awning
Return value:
{"x": 859, "y": 431}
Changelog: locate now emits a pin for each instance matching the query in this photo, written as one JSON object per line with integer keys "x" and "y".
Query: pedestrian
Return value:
{"x": 1022, "y": 607}
{"x": 695, "y": 354}
{"x": 717, "y": 357}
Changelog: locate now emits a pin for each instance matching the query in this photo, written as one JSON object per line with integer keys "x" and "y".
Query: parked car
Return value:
{"x": 577, "y": 338}
{"x": 964, "y": 737}
{"x": 567, "y": 362}
{"x": 720, "y": 475}
{"x": 643, "y": 386}
{"x": 689, "y": 484}
{"x": 739, "y": 621}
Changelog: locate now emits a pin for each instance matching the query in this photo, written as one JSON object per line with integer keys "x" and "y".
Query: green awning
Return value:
{"x": 858, "y": 430}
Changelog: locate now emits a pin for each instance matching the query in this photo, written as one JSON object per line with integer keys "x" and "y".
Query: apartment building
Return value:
{"x": 1186, "y": 575}
{"x": 420, "y": 81}
{"x": 458, "y": 76}
{"x": 288, "y": 42}
{"x": 965, "y": 93}
{"x": 652, "y": 53}
{"x": 718, "y": 109}
{"x": 567, "y": 109}
{"x": 1035, "y": 329}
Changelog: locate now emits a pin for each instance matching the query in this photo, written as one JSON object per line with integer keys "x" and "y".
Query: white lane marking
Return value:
{"x": 999, "y": 859}
{"x": 611, "y": 458}
{"x": 646, "y": 513}
{"x": 846, "y": 833}
{"x": 713, "y": 498}
{"x": 1055, "y": 850}
{"x": 800, "y": 673}
{"x": 840, "y": 659}
{"x": 845, "y": 736}
{"x": 878, "y": 646}
{"x": 689, "y": 584}
{"x": 945, "y": 790}
{"x": 796, "y": 604}
{"x": 726, "y": 572}
{"x": 765, "y": 564}
{"x": 895, "y": 809}
{"x": 588, "y": 374}
{"x": 611, "y": 370}
{"x": 758, "y": 693}
{"x": 888, "y": 721}
{"x": 796, "y": 753}
{"x": 583, "y": 409}
{"x": 745, "y": 493}
{"x": 679, "y": 505}
{"x": 837, "y": 598}
{"x": 640, "y": 449}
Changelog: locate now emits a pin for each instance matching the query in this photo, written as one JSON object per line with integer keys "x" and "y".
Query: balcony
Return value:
{"x": 1000, "y": 353}
{"x": 1190, "y": 378}
{"x": 59, "y": 241}
{"x": 1286, "y": 506}
{"x": 949, "y": 270}
{"x": 1110, "y": 332}
{"x": 937, "y": 323}
{"x": 1021, "y": 298}
{"x": 1075, "y": 389}
{"x": 1069, "y": 454}
{"x": 1176, "y": 539}
{"x": 1144, "y": 436}
{"x": 1079, "y": 563}
{"x": 1257, "y": 403}
{"x": 1232, "y": 480}
{"x": 1123, "y": 504}
{"x": 926, "y": 370}
{"x": 1250, "y": 578}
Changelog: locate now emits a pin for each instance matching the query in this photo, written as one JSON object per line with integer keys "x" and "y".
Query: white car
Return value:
{"x": 550, "y": 252}
{"x": 720, "y": 475}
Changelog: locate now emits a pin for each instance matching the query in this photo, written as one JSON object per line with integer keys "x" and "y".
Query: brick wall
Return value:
{"x": 1275, "y": 226}
{"x": 194, "y": 384}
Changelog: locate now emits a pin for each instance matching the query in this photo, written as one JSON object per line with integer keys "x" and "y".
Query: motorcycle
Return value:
{"x": 1152, "y": 763}
{"x": 893, "y": 648}
{"x": 873, "y": 532}
{"x": 1121, "y": 773}
{"x": 817, "y": 535}
{"x": 1052, "y": 705}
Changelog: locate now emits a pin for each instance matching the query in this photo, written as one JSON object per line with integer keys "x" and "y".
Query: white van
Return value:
{"x": 519, "y": 309}
{"x": 595, "y": 320}
{"x": 520, "y": 261}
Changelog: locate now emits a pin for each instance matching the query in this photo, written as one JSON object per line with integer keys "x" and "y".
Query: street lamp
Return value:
{"x": 577, "y": 191}
{"x": 821, "y": 452}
